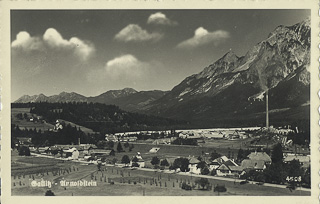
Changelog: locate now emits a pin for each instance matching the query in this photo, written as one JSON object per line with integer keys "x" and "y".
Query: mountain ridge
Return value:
{"x": 127, "y": 98}
{"x": 283, "y": 58}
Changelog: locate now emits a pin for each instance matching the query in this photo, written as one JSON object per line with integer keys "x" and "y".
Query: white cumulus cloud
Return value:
{"x": 134, "y": 33}
{"x": 160, "y": 19}
{"x": 53, "y": 39}
{"x": 126, "y": 66}
{"x": 26, "y": 42}
{"x": 203, "y": 36}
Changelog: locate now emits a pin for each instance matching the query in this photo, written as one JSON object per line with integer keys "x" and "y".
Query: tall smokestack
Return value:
{"x": 267, "y": 110}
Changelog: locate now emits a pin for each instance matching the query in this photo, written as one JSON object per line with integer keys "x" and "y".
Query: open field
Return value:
{"x": 24, "y": 124}
{"x": 83, "y": 129}
{"x": 136, "y": 182}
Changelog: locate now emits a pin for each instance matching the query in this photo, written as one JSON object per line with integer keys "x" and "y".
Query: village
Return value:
{"x": 239, "y": 155}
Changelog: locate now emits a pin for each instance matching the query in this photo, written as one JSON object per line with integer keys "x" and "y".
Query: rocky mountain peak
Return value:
{"x": 230, "y": 57}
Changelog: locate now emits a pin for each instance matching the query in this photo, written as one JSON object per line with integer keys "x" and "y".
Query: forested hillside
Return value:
{"x": 99, "y": 117}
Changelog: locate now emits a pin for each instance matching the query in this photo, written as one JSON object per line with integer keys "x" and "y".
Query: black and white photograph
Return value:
{"x": 161, "y": 102}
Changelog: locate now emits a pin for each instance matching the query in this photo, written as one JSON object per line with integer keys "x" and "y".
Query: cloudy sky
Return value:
{"x": 93, "y": 51}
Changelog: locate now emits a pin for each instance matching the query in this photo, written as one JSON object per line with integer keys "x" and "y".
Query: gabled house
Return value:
{"x": 138, "y": 159}
{"x": 226, "y": 170}
{"x": 221, "y": 160}
{"x": 193, "y": 162}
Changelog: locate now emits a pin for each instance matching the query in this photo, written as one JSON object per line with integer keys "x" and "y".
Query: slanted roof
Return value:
{"x": 262, "y": 156}
{"x": 101, "y": 151}
{"x": 252, "y": 164}
{"x": 224, "y": 158}
{"x": 215, "y": 162}
{"x": 193, "y": 160}
{"x": 230, "y": 163}
{"x": 236, "y": 168}
{"x": 223, "y": 167}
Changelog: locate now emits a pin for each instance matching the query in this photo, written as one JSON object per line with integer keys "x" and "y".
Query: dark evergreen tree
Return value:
{"x": 277, "y": 154}
{"x": 119, "y": 147}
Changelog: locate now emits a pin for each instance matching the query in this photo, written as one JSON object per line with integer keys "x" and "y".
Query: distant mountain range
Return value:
{"x": 230, "y": 89}
{"x": 127, "y": 98}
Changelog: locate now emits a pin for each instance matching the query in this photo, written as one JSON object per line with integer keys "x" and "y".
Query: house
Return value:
{"x": 98, "y": 153}
{"x": 260, "y": 156}
{"x": 72, "y": 153}
{"x": 138, "y": 159}
{"x": 226, "y": 170}
{"x": 304, "y": 160}
{"x": 221, "y": 160}
{"x": 214, "y": 164}
{"x": 257, "y": 165}
{"x": 193, "y": 162}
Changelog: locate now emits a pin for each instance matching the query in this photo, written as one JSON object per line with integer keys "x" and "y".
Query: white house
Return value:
{"x": 72, "y": 153}
{"x": 139, "y": 160}
{"x": 193, "y": 162}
